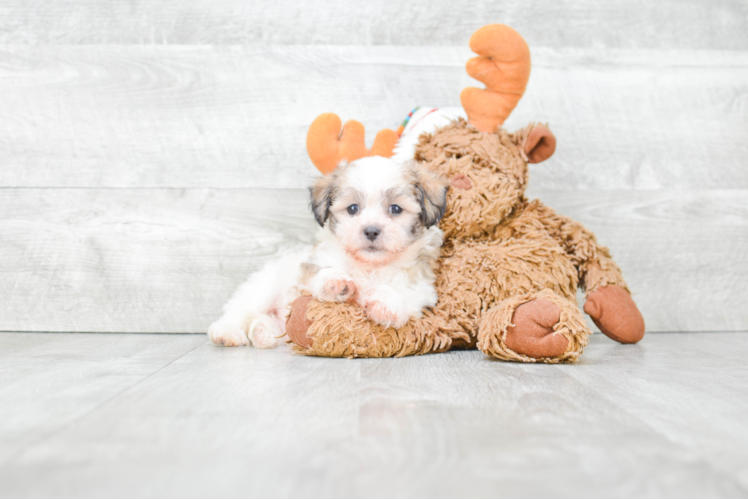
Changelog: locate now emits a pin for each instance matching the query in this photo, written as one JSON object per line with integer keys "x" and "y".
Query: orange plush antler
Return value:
{"x": 328, "y": 145}
{"x": 503, "y": 66}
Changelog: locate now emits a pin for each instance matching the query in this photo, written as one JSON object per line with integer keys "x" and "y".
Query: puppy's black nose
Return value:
{"x": 372, "y": 232}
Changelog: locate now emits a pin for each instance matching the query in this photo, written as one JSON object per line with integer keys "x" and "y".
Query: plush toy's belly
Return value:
{"x": 476, "y": 275}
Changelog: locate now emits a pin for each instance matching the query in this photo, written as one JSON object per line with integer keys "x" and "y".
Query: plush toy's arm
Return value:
{"x": 608, "y": 298}
{"x": 342, "y": 330}
{"x": 593, "y": 261}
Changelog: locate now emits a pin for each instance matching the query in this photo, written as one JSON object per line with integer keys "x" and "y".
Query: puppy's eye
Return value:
{"x": 353, "y": 209}
{"x": 396, "y": 209}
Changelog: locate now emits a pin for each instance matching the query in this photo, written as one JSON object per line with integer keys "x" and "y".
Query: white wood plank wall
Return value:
{"x": 152, "y": 152}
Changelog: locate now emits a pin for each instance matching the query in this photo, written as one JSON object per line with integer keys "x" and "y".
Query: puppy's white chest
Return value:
{"x": 372, "y": 278}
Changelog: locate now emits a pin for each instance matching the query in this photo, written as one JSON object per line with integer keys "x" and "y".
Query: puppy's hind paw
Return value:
{"x": 227, "y": 334}
{"x": 264, "y": 332}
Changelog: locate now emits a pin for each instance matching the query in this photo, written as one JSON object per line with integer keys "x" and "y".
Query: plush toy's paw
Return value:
{"x": 532, "y": 333}
{"x": 264, "y": 332}
{"x": 227, "y": 333}
{"x": 297, "y": 326}
{"x": 338, "y": 290}
{"x": 615, "y": 314}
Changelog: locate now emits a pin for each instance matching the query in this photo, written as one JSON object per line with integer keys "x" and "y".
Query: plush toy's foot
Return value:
{"x": 615, "y": 314}
{"x": 532, "y": 333}
{"x": 297, "y": 326}
{"x": 537, "y": 326}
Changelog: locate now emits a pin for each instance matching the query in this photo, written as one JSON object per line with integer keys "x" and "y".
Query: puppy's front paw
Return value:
{"x": 385, "y": 314}
{"x": 227, "y": 333}
{"x": 338, "y": 290}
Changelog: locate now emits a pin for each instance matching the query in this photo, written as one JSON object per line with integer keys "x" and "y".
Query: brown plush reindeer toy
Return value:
{"x": 509, "y": 268}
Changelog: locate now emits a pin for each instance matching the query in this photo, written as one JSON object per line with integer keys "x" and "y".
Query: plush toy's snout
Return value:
{"x": 461, "y": 181}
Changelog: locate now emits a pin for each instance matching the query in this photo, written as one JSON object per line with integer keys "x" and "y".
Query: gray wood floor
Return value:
{"x": 132, "y": 415}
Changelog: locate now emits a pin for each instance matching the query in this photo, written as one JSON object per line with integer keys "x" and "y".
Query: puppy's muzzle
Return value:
{"x": 372, "y": 232}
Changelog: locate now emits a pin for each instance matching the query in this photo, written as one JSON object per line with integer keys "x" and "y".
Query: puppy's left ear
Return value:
{"x": 431, "y": 189}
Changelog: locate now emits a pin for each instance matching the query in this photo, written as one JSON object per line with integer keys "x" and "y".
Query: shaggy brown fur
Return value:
{"x": 500, "y": 251}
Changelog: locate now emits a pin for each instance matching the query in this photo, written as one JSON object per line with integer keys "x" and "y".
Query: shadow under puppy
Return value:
{"x": 377, "y": 247}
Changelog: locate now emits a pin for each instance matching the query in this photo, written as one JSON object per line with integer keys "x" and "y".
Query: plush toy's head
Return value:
{"x": 488, "y": 173}
{"x": 487, "y": 165}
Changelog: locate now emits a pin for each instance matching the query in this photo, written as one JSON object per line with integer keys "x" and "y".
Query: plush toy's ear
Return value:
{"x": 328, "y": 144}
{"x": 432, "y": 194}
{"x": 540, "y": 144}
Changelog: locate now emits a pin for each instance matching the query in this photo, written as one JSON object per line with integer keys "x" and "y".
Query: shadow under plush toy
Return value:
{"x": 509, "y": 268}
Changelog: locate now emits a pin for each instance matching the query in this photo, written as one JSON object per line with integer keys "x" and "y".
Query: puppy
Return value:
{"x": 377, "y": 247}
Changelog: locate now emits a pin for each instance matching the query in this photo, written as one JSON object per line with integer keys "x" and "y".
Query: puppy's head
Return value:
{"x": 377, "y": 207}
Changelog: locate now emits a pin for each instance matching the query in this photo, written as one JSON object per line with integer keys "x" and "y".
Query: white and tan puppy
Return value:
{"x": 377, "y": 247}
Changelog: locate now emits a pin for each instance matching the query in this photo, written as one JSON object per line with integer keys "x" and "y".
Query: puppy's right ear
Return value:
{"x": 321, "y": 193}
